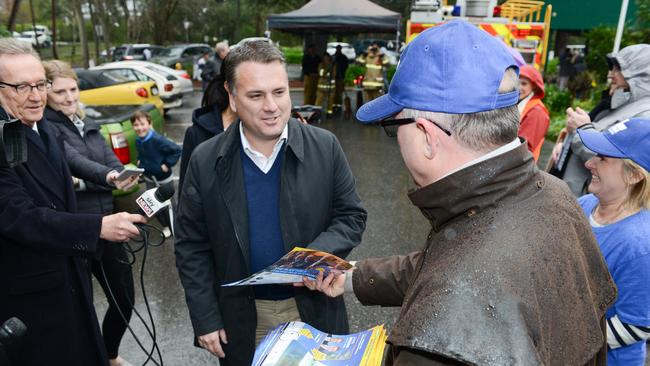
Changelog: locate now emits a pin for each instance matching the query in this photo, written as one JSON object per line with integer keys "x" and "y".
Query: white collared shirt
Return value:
{"x": 78, "y": 123}
{"x": 35, "y": 128}
{"x": 261, "y": 161}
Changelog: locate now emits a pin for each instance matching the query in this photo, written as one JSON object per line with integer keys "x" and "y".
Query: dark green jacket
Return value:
{"x": 319, "y": 209}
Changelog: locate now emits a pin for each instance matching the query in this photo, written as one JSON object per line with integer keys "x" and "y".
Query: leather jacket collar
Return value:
{"x": 474, "y": 188}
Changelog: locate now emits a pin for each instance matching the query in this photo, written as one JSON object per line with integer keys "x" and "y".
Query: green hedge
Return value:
{"x": 354, "y": 70}
{"x": 293, "y": 55}
{"x": 557, "y": 101}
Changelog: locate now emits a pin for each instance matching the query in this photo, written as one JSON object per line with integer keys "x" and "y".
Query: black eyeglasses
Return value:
{"x": 391, "y": 125}
{"x": 24, "y": 89}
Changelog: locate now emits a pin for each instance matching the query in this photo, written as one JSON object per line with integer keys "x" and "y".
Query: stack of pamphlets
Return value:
{"x": 295, "y": 265}
{"x": 299, "y": 344}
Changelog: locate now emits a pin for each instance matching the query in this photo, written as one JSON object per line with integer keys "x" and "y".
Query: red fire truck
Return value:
{"x": 518, "y": 23}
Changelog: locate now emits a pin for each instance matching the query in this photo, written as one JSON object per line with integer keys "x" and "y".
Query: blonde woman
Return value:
{"x": 95, "y": 168}
{"x": 618, "y": 210}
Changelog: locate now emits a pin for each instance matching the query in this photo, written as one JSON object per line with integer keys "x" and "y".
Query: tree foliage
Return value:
{"x": 161, "y": 22}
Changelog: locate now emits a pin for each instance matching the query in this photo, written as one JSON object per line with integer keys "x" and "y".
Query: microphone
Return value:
{"x": 155, "y": 199}
{"x": 11, "y": 330}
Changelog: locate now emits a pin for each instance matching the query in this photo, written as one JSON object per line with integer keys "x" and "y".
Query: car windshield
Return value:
{"x": 161, "y": 71}
{"x": 172, "y": 52}
{"x": 119, "y": 51}
{"x": 91, "y": 79}
{"x": 137, "y": 50}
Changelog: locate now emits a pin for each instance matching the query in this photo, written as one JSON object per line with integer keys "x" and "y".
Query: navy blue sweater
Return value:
{"x": 155, "y": 150}
{"x": 265, "y": 233}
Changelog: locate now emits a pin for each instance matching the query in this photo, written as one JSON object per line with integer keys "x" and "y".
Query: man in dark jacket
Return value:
{"x": 341, "y": 63}
{"x": 251, "y": 194}
{"x": 44, "y": 244}
{"x": 510, "y": 273}
{"x": 209, "y": 69}
{"x": 310, "y": 62}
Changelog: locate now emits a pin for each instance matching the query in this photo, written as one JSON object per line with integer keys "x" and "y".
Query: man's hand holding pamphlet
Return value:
{"x": 298, "y": 343}
{"x": 295, "y": 265}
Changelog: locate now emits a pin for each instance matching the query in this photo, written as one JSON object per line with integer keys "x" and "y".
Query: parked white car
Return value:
{"x": 168, "y": 85}
{"x": 30, "y": 36}
{"x": 183, "y": 80}
{"x": 346, "y": 49}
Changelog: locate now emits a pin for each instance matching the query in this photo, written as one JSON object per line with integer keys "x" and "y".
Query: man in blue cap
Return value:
{"x": 510, "y": 273}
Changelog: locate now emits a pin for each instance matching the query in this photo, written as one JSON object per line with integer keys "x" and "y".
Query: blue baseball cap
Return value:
{"x": 451, "y": 68}
{"x": 629, "y": 139}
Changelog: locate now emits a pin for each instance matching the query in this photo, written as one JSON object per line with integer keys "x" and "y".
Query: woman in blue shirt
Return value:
{"x": 618, "y": 210}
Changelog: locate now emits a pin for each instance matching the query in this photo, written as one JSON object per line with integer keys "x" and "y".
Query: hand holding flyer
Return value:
{"x": 295, "y": 265}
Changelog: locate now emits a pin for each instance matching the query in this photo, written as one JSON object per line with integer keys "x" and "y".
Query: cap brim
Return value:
{"x": 598, "y": 143}
{"x": 378, "y": 109}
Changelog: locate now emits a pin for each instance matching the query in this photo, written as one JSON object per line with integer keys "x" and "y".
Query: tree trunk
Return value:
{"x": 82, "y": 31}
{"x": 127, "y": 17}
{"x": 237, "y": 20}
{"x": 94, "y": 22}
{"x": 31, "y": 9}
{"x": 102, "y": 15}
{"x": 12, "y": 16}
{"x": 161, "y": 20}
{"x": 55, "y": 53}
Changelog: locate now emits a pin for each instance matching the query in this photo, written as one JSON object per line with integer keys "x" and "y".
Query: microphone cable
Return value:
{"x": 142, "y": 245}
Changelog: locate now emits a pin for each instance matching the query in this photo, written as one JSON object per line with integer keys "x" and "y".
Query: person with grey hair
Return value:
{"x": 221, "y": 50}
{"x": 251, "y": 194}
{"x": 510, "y": 273}
{"x": 45, "y": 244}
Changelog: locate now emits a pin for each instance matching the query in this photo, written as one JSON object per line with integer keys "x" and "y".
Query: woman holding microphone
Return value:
{"x": 96, "y": 173}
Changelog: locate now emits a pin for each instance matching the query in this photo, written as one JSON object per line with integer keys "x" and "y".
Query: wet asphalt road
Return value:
{"x": 394, "y": 227}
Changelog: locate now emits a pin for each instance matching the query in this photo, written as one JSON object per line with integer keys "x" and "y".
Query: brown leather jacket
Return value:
{"x": 511, "y": 273}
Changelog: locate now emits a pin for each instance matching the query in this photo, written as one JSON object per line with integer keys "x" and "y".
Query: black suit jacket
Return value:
{"x": 44, "y": 278}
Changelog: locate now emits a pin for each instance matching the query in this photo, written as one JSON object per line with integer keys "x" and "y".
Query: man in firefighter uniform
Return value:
{"x": 310, "y": 61}
{"x": 373, "y": 81}
{"x": 325, "y": 84}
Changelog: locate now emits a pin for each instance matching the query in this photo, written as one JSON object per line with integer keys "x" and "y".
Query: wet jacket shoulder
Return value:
{"x": 510, "y": 273}
{"x": 206, "y": 123}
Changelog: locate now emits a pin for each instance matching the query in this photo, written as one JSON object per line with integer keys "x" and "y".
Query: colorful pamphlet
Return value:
{"x": 299, "y": 344}
{"x": 295, "y": 265}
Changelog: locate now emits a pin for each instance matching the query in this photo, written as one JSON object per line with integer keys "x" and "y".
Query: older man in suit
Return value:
{"x": 44, "y": 277}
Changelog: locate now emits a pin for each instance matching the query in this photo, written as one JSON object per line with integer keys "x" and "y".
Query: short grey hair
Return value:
{"x": 221, "y": 46}
{"x": 482, "y": 130}
{"x": 11, "y": 46}
{"x": 253, "y": 51}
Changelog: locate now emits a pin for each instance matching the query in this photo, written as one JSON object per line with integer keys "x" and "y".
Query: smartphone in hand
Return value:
{"x": 129, "y": 172}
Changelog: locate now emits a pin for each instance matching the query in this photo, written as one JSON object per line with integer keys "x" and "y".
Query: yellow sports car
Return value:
{"x": 108, "y": 87}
